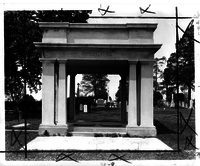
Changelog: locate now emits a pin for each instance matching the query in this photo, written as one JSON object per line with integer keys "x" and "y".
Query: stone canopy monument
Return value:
{"x": 90, "y": 48}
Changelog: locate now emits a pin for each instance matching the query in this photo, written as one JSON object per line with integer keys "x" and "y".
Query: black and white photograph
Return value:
{"x": 100, "y": 83}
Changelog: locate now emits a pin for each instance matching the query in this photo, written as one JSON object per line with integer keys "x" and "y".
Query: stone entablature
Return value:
{"x": 76, "y": 33}
{"x": 131, "y": 52}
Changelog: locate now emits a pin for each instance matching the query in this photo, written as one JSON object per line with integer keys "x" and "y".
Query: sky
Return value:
{"x": 164, "y": 34}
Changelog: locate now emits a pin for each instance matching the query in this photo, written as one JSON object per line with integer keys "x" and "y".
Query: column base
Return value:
{"x": 141, "y": 131}
{"x": 53, "y": 130}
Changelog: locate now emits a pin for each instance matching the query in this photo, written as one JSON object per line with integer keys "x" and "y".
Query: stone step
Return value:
{"x": 92, "y": 134}
{"x": 100, "y": 129}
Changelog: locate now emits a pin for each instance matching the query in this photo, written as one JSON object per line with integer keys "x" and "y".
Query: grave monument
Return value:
{"x": 125, "y": 49}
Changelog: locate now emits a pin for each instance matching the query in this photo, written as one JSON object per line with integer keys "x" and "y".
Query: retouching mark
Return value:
{"x": 16, "y": 138}
{"x": 105, "y": 10}
{"x": 188, "y": 142}
{"x": 186, "y": 122}
{"x": 118, "y": 157}
{"x": 146, "y": 10}
{"x": 62, "y": 156}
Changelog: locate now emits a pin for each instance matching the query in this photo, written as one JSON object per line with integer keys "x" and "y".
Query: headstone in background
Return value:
{"x": 85, "y": 109}
{"x": 81, "y": 107}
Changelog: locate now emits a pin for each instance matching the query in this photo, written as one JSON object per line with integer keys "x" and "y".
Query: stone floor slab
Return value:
{"x": 45, "y": 143}
{"x": 96, "y": 143}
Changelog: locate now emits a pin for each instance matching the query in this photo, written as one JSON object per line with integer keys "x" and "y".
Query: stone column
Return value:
{"x": 132, "y": 107}
{"x": 123, "y": 98}
{"x": 62, "y": 95}
{"x": 147, "y": 98}
{"x": 72, "y": 97}
{"x": 47, "y": 96}
{"x": 48, "y": 93}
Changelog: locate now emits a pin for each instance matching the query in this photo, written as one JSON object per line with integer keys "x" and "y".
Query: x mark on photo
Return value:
{"x": 16, "y": 137}
{"x": 118, "y": 157}
{"x": 105, "y": 10}
{"x": 63, "y": 156}
{"x": 146, "y": 10}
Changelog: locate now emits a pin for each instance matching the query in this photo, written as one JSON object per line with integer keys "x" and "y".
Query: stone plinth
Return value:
{"x": 141, "y": 131}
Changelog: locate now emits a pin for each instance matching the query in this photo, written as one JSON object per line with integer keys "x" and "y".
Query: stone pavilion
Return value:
{"x": 93, "y": 48}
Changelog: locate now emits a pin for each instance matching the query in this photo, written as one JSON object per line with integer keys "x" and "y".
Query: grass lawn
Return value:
{"x": 164, "y": 120}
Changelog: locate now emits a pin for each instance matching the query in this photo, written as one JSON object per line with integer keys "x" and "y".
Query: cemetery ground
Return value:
{"x": 165, "y": 120}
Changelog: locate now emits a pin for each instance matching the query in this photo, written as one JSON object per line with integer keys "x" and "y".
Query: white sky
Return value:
{"x": 164, "y": 34}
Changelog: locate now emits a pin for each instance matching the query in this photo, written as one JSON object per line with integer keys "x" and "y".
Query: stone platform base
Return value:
{"x": 141, "y": 131}
{"x": 53, "y": 130}
{"x": 96, "y": 143}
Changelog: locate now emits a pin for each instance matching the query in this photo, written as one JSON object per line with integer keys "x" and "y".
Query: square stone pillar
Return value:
{"x": 132, "y": 106}
{"x": 54, "y": 118}
{"x": 48, "y": 93}
{"x": 147, "y": 98}
{"x": 47, "y": 96}
{"x": 140, "y": 109}
{"x": 62, "y": 95}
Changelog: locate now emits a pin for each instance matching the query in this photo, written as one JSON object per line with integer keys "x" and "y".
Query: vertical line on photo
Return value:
{"x": 177, "y": 84}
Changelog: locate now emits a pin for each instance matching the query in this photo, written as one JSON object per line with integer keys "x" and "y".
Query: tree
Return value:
{"x": 22, "y": 63}
{"x": 186, "y": 54}
{"x": 168, "y": 83}
{"x": 186, "y": 63}
{"x": 95, "y": 83}
{"x": 21, "y": 57}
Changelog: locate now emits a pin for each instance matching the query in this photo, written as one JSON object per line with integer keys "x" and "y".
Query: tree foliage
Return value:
{"x": 186, "y": 63}
{"x": 72, "y": 16}
{"x": 96, "y": 83}
{"x": 21, "y": 56}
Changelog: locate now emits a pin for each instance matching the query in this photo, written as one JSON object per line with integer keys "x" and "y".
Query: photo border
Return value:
{"x": 155, "y": 162}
